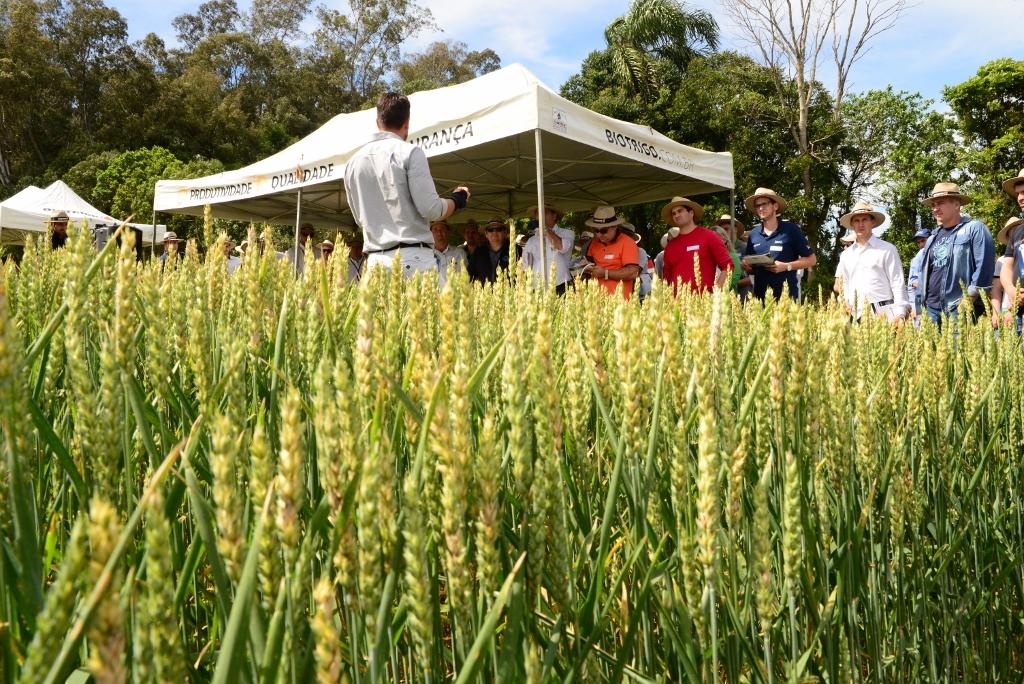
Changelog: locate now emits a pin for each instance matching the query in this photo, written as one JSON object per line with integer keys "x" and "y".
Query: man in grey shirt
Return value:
{"x": 392, "y": 195}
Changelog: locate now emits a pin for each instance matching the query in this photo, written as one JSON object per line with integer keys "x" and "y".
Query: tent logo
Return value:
{"x": 444, "y": 136}
{"x": 559, "y": 120}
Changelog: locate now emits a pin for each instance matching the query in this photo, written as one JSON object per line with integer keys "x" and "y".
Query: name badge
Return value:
{"x": 775, "y": 248}
{"x": 693, "y": 248}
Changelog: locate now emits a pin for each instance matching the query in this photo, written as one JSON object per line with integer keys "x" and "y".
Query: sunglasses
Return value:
{"x": 602, "y": 231}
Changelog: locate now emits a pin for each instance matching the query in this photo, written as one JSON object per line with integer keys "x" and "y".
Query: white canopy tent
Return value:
{"x": 30, "y": 210}
{"x": 492, "y": 134}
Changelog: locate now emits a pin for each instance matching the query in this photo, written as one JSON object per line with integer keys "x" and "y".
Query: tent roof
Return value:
{"x": 30, "y": 210}
{"x": 480, "y": 134}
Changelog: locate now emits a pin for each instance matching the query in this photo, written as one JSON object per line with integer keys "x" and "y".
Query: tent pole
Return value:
{"x": 298, "y": 223}
{"x": 732, "y": 214}
{"x": 152, "y": 240}
{"x": 541, "y": 214}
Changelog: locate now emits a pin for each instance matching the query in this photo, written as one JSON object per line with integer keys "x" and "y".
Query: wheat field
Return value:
{"x": 261, "y": 479}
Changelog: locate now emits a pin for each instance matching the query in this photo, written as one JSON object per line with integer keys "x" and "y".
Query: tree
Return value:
{"x": 895, "y": 148}
{"x": 213, "y": 17}
{"x": 352, "y": 53}
{"x": 443, "y": 63}
{"x": 989, "y": 110}
{"x": 125, "y": 187}
{"x": 653, "y": 34}
{"x": 790, "y": 39}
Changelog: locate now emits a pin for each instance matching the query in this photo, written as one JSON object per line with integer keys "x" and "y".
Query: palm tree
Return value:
{"x": 656, "y": 33}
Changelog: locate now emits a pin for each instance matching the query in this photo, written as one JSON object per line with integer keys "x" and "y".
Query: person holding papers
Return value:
{"x": 776, "y": 249}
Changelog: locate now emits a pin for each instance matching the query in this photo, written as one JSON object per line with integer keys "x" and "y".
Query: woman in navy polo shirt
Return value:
{"x": 781, "y": 240}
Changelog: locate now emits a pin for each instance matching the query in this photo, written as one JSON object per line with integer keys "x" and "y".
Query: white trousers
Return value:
{"x": 411, "y": 259}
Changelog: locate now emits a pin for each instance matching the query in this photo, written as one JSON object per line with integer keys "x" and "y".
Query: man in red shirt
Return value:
{"x": 693, "y": 240}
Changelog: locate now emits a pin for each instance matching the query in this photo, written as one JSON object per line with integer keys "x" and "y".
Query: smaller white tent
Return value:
{"x": 30, "y": 210}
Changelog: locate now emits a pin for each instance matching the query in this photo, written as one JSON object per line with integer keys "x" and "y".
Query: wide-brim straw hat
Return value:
{"x": 171, "y": 236}
{"x": 726, "y": 220}
{"x": 862, "y": 209}
{"x": 603, "y": 217}
{"x": 532, "y": 211}
{"x": 848, "y": 237}
{"x": 327, "y": 243}
{"x": 666, "y": 211}
{"x": 1010, "y": 183}
{"x": 630, "y": 230}
{"x": 1004, "y": 232}
{"x": 672, "y": 233}
{"x": 941, "y": 190}
{"x": 764, "y": 192}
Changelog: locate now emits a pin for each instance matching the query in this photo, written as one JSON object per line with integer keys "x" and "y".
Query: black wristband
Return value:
{"x": 460, "y": 197}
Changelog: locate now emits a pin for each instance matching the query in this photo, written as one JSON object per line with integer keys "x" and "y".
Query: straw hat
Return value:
{"x": 1010, "y": 183}
{"x": 630, "y": 230}
{"x": 171, "y": 236}
{"x": 532, "y": 211}
{"x": 672, "y": 233}
{"x": 666, "y": 211}
{"x": 726, "y": 220}
{"x": 862, "y": 208}
{"x": 1004, "y": 232}
{"x": 848, "y": 237}
{"x": 327, "y": 244}
{"x": 764, "y": 192}
{"x": 946, "y": 190}
{"x": 603, "y": 217}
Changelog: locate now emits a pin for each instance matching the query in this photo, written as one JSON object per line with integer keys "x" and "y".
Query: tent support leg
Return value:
{"x": 541, "y": 216}
{"x": 732, "y": 213}
{"x": 298, "y": 224}
{"x": 152, "y": 239}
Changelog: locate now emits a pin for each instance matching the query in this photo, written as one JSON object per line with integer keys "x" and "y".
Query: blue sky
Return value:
{"x": 935, "y": 43}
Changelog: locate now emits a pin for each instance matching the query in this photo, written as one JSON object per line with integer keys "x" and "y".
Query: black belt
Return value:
{"x": 878, "y": 305}
{"x": 400, "y": 245}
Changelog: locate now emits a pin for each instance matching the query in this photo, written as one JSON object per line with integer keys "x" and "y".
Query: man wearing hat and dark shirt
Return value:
{"x": 172, "y": 247}
{"x": 693, "y": 241}
{"x": 613, "y": 255}
{"x": 960, "y": 253}
{"x": 490, "y": 258}
{"x": 392, "y": 194}
{"x": 59, "y": 230}
{"x": 915, "y": 294}
{"x": 1012, "y": 266}
{"x": 783, "y": 241}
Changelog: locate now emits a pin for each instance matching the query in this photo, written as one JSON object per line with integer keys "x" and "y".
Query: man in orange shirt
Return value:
{"x": 613, "y": 255}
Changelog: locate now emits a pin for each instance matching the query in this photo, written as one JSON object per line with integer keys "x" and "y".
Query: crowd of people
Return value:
{"x": 404, "y": 221}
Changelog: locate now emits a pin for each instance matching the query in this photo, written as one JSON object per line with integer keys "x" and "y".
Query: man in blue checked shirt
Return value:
{"x": 914, "y": 291}
{"x": 960, "y": 255}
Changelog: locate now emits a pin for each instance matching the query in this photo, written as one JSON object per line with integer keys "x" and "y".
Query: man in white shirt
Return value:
{"x": 297, "y": 254}
{"x": 392, "y": 194}
{"x": 558, "y": 244}
{"x": 870, "y": 269}
{"x": 450, "y": 258}
{"x": 229, "y": 253}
